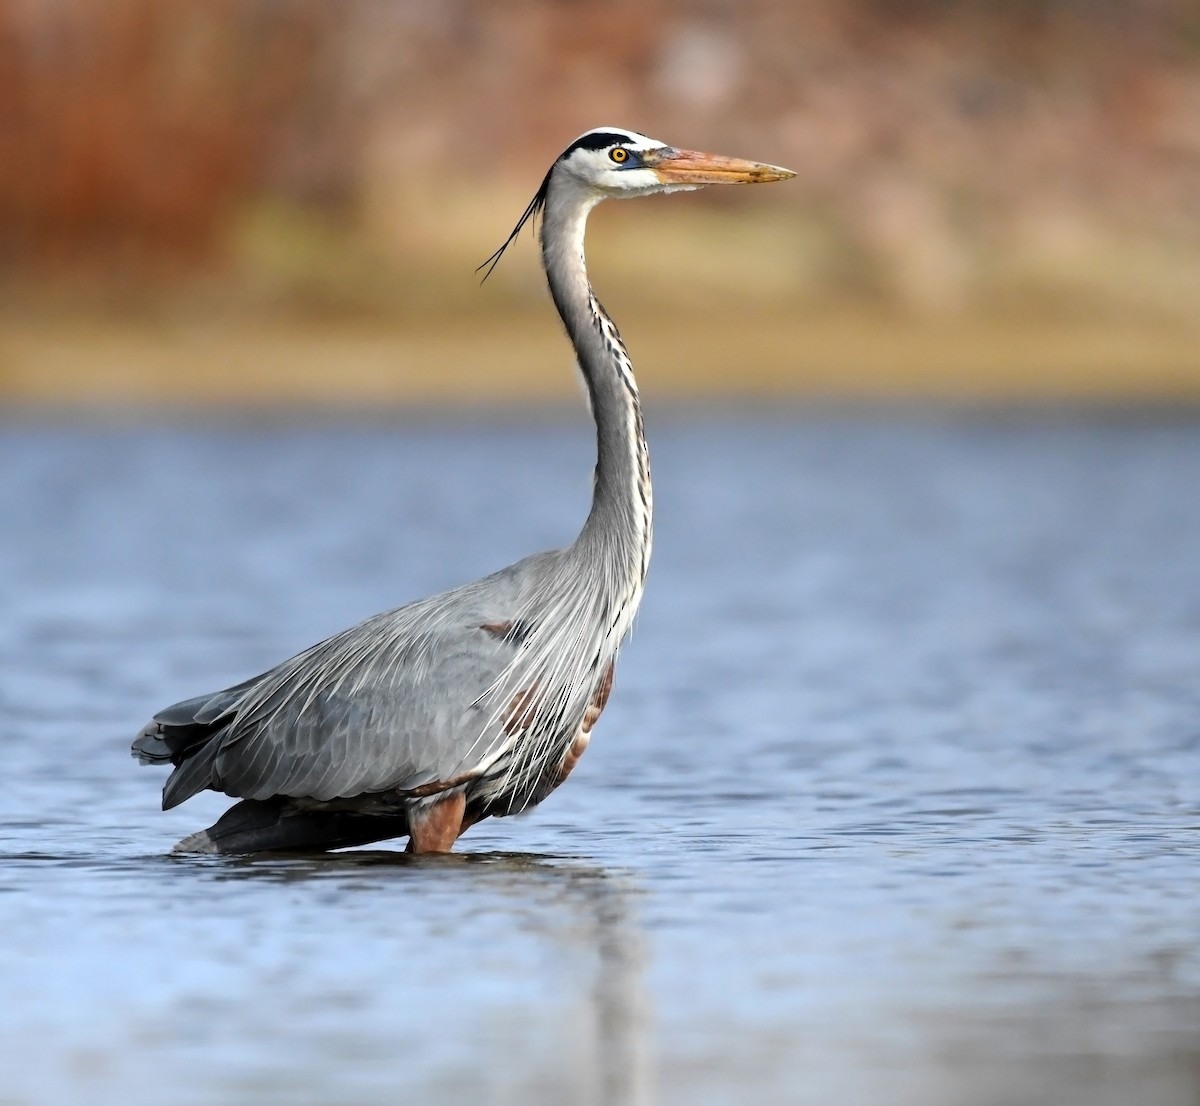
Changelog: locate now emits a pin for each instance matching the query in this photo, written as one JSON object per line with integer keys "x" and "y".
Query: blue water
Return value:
{"x": 895, "y": 800}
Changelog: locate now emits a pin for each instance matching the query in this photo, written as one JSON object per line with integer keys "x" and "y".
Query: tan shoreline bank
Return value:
{"x": 526, "y": 359}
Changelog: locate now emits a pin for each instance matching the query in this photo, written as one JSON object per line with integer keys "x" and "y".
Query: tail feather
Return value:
{"x": 185, "y": 734}
{"x": 149, "y": 746}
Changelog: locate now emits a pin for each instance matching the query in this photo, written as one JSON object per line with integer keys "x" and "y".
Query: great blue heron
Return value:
{"x": 477, "y": 702}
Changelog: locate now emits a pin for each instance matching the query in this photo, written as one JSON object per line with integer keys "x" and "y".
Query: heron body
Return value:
{"x": 476, "y": 702}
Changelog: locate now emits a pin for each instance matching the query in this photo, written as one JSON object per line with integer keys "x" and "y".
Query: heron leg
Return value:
{"x": 436, "y": 827}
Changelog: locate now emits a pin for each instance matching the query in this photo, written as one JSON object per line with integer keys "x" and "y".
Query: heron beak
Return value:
{"x": 673, "y": 166}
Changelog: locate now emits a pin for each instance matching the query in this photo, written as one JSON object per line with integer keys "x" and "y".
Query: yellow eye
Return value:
{"x": 619, "y": 154}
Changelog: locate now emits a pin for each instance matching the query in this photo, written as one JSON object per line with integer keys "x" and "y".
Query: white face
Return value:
{"x": 610, "y": 160}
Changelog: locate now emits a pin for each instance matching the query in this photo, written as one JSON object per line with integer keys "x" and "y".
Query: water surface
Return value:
{"x": 895, "y": 800}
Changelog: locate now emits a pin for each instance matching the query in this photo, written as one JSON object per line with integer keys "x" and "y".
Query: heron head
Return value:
{"x": 615, "y": 163}
{"x": 610, "y": 162}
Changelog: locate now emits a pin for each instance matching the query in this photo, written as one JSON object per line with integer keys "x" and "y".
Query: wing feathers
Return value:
{"x": 393, "y": 703}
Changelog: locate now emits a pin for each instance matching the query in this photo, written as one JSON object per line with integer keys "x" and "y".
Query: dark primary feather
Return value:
{"x": 191, "y": 776}
{"x": 251, "y": 826}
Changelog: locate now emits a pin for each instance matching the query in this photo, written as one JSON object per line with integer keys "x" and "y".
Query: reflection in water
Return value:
{"x": 587, "y": 912}
{"x": 621, "y": 1003}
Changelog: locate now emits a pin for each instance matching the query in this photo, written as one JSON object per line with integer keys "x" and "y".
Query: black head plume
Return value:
{"x": 532, "y": 211}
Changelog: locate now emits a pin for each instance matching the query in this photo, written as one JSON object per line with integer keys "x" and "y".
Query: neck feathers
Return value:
{"x": 617, "y": 533}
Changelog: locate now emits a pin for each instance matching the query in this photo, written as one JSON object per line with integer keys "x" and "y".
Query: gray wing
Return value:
{"x": 398, "y": 702}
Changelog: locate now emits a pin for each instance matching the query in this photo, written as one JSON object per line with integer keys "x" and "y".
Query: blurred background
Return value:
{"x": 249, "y": 201}
{"x": 895, "y": 800}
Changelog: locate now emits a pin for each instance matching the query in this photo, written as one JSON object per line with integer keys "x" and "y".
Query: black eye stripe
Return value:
{"x": 598, "y": 141}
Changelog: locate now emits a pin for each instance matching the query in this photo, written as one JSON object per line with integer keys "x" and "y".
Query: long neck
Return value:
{"x": 618, "y": 529}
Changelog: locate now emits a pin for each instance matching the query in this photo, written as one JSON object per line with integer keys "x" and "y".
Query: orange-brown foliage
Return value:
{"x": 138, "y": 124}
{"x": 133, "y": 124}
